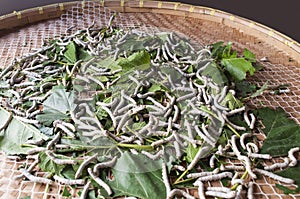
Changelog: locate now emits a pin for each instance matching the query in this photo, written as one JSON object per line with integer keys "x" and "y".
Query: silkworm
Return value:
{"x": 250, "y": 190}
{"x": 35, "y": 150}
{"x": 246, "y": 118}
{"x": 278, "y": 164}
{"x": 153, "y": 156}
{"x": 53, "y": 141}
{"x": 162, "y": 141}
{"x": 219, "y": 189}
{"x": 85, "y": 190}
{"x": 7, "y": 122}
{"x": 191, "y": 140}
{"x": 251, "y": 147}
{"x": 97, "y": 82}
{"x": 202, "y": 151}
{"x": 123, "y": 95}
{"x": 246, "y": 161}
{"x": 204, "y": 137}
{"x": 25, "y": 120}
{"x": 292, "y": 157}
{"x": 261, "y": 156}
{"x": 50, "y": 154}
{"x": 5, "y": 70}
{"x": 165, "y": 178}
{"x": 212, "y": 161}
{"x": 100, "y": 182}
{"x": 87, "y": 109}
{"x": 234, "y": 167}
{"x": 240, "y": 128}
{"x": 201, "y": 190}
{"x": 109, "y": 113}
{"x": 239, "y": 192}
{"x": 107, "y": 164}
{"x": 237, "y": 110}
{"x": 15, "y": 93}
{"x": 84, "y": 164}
{"x": 35, "y": 142}
{"x": 178, "y": 167}
{"x": 253, "y": 119}
{"x": 215, "y": 177}
{"x": 234, "y": 146}
{"x": 68, "y": 181}
{"x": 230, "y": 194}
{"x": 242, "y": 139}
{"x": 35, "y": 179}
{"x": 93, "y": 120}
{"x": 175, "y": 192}
{"x": 200, "y": 174}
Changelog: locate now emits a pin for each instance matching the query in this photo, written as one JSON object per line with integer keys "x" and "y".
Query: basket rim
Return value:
{"x": 37, "y": 14}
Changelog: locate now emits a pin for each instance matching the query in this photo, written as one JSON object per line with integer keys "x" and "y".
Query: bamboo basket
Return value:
{"x": 22, "y": 31}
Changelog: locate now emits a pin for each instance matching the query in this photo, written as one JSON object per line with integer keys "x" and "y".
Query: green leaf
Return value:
{"x": 154, "y": 88}
{"x": 137, "y": 61}
{"x": 26, "y": 197}
{"x": 293, "y": 173}
{"x": 231, "y": 101}
{"x": 244, "y": 88}
{"x": 83, "y": 55}
{"x": 248, "y": 55}
{"x": 57, "y": 106}
{"x": 47, "y": 165}
{"x": 217, "y": 75}
{"x": 70, "y": 53}
{"x": 287, "y": 190}
{"x": 282, "y": 132}
{"x": 238, "y": 67}
{"x": 66, "y": 192}
{"x": 191, "y": 152}
{"x": 136, "y": 175}
{"x": 260, "y": 91}
{"x": 16, "y": 134}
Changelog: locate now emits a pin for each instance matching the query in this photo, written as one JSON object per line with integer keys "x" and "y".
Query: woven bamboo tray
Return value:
{"x": 22, "y": 31}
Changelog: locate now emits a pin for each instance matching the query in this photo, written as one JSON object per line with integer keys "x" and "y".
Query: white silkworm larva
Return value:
{"x": 177, "y": 149}
{"x": 107, "y": 164}
{"x": 251, "y": 147}
{"x": 212, "y": 161}
{"x": 230, "y": 194}
{"x": 30, "y": 168}
{"x": 242, "y": 139}
{"x": 36, "y": 179}
{"x": 53, "y": 141}
{"x": 278, "y": 164}
{"x": 246, "y": 118}
{"x": 66, "y": 130}
{"x": 197, "y": 157}
{"x": 253, "y": 119}
{"x": 59, "y": 161}
{"x": 153, "y": 156}
{"x": 292, "y": 157}
{"x": 25, "y": 120}
{"x": 176, "y": 113}
{"x": 220, "y": 189}
{"x": 69, "y": 181}
{"x": 165, "y": 178}
{"x": 214, "y": 177}
{"x": 201, "y": 190}
{"x": 234, "y": 146}
{"x": 100, "y": 182}
{"x": 35, "y": 150}
{"x": 234, "y": 167}
{"x": 250, "y": 190}
{"x": 201, "y": 174}
{"x": 85, "y": 190}
{"x": 274, "y": 176}
{"x": 237, "y": 110}
{"x": 112, "y": 117}
{"x": 178, "y": 167}
{"x": 239, "y": 192}
{"x": 261, "y": 156}
{"x": 204, "y": 137}
{"x": 246, "y": 161}
{"x": 175, "y": 192}
{"x": 84, "y": 164}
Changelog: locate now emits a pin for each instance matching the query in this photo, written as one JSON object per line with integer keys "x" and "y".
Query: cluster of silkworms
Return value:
{"x": 186, "y": 109}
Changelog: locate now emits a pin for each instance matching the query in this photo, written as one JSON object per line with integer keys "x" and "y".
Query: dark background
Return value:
{"x": 281, "y": 15}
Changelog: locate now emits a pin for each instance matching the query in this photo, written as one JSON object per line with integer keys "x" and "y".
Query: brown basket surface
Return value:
{"x": 201, "y": 24}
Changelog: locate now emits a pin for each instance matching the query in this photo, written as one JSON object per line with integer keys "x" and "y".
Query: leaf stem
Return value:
{"x": 245, "y": 174}
{"x": 45, "y": 195}
{"x": 233, "y": 130}
{"x": 135, "y": 146}
{"x": 177, "y": 181}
